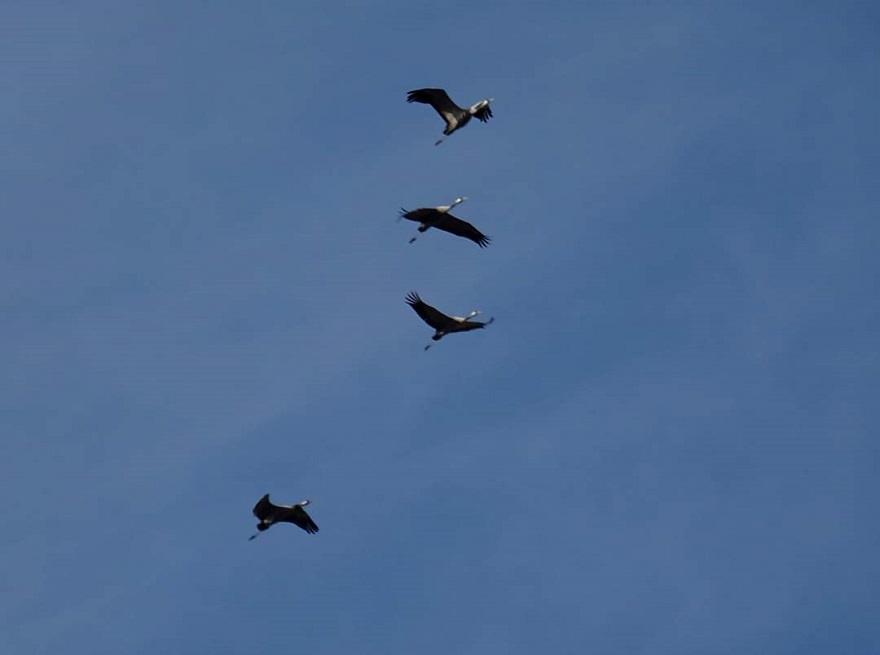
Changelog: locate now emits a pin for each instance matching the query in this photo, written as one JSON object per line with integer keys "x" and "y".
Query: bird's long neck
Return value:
{"x": 465, "y": 319}
{"x": 443, "y": 209}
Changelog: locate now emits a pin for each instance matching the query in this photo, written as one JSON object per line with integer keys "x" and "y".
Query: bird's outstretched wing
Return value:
{"x": 470, "y": 324}
{"x": 264, "y": 508}
{"x": 458, "y": 227}
{"x": 302, "y": 519}
{"x": 436, "y": 319}
{"x": 484, "y": 114}
{"x": 437, "y": 98}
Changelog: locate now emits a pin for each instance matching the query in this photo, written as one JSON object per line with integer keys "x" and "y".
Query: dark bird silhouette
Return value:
{"x": 456, "y": 117}
{"x": 442, "y": 323}
{"x": 440, "y": 218}
{"x": 270, "y": 514}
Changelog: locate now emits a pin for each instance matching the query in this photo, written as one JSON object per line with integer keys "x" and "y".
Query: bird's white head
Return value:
{"x": 459, "y": 200}
{"x": 305, "y": 502}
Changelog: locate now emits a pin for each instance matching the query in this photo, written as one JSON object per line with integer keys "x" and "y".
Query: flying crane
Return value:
{"x": 269, "y": 514}
{"x": 440, "y": 218}
{"x": 456, "y": 117}
{"x": 442, "y": 323}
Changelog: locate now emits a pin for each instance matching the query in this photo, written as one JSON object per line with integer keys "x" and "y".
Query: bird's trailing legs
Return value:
{"x": 253, "y": 536}
{"x": 424, "y": 227}
{"x": 439, "y": 141}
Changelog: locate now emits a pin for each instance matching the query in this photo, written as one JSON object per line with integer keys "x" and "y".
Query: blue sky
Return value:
{"x": 666, "y": 443}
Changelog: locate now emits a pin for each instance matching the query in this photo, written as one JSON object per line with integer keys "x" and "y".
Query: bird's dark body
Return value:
{"x": 455, "y": 117}
{"x": 442, "y": 323}
{"x": 270, "y": 514}
{"x": 442, "y": 220}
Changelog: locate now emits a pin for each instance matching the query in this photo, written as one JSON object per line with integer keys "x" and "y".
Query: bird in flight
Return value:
{"x": 440, "y": 218}
{"x": 442, "y": 323}
{"x": 270, "y": 514}
{"x": 456, "y": 117}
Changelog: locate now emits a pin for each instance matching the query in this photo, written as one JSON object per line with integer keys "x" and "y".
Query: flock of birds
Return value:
{"x": 438, "y": 218}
